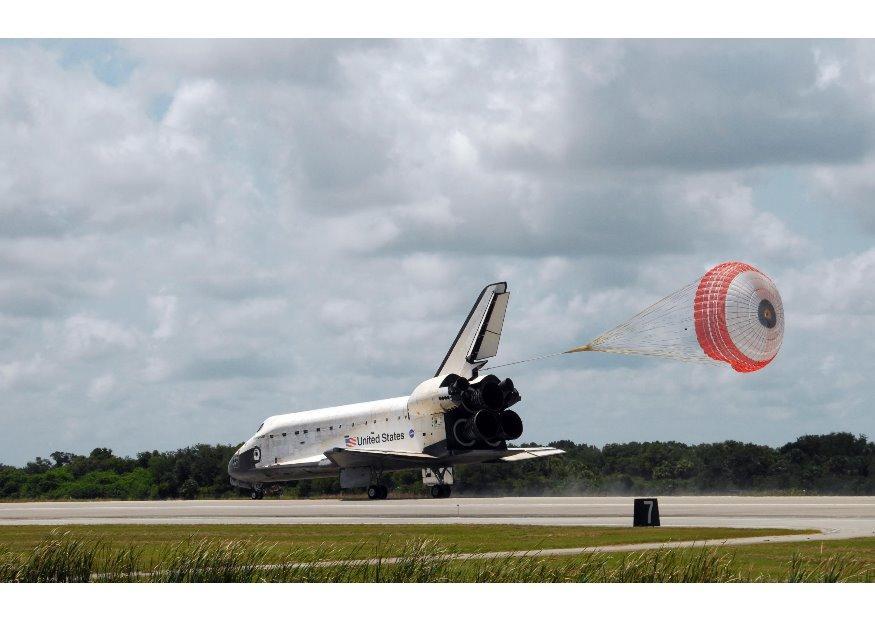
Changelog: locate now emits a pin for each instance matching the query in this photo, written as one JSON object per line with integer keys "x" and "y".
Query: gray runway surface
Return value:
{"x": 836, "y": 517}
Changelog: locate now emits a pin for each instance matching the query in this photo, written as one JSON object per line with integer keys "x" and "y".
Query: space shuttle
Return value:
{"x": 461, "y": 415}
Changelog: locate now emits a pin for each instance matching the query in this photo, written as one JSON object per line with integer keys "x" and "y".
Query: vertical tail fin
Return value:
{"x": 478, "y": 339}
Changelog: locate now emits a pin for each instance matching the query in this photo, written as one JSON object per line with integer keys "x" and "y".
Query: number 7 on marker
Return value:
{"x": 649, "y": 504}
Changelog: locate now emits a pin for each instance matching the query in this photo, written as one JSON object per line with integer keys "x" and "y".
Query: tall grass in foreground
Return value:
{"x": 60, "y": 557}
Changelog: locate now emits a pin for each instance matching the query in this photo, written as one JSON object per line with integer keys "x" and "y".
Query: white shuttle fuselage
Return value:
{"x": 458, "y": 416}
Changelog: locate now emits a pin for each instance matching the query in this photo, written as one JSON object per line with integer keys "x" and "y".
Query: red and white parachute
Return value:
{"x": 733, "y": 314}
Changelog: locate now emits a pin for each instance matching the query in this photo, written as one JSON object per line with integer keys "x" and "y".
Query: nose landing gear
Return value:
{"x": 378, "y": 491}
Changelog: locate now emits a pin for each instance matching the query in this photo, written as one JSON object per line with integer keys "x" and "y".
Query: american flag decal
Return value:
{"x": 351, "y": 442}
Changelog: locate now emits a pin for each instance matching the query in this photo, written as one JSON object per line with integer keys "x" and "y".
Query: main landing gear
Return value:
{"x": 438, "y": 481}
{"x": 378, "y": 491}
{"x": 441, "y": 491}
{"x": 257, "y": 492}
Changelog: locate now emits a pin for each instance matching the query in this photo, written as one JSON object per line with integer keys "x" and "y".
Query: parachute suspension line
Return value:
{"x": 733, "y": 314}
{"x": 647, "y": 333}
{"x": 664, "y": 329}
{"x": 652, "y": 332}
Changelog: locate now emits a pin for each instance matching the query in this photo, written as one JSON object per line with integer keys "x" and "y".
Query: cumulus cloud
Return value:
{"x": 101, "y": 386}
{"x": 164, "y": 306}
{"x": 86, "y": 157}
{"x": 849, "y": 188}
{"x": 86, "y": 336}
{"x": 195, "y": 235}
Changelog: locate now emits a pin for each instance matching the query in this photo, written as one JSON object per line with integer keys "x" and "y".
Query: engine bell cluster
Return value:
{"x": 483, "y": 413}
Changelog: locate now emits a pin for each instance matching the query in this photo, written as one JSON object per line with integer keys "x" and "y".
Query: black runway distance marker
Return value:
{"x": 646, "y": 512}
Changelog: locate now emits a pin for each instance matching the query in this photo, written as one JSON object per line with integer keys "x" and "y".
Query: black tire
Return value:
{"x": 373, "y": 492}
{"x": 384, "y": 491}
{"x": 437, "y": 491}
{"x": 253, "y": 494}
{"x": 448, "y": 490}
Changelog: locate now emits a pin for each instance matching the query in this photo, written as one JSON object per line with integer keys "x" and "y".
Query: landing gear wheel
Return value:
{"x": 257, "y": 494}
{"x": 440, "y": 491}
{"x": 384, "y": 491}
{"x": 373, "y": 492}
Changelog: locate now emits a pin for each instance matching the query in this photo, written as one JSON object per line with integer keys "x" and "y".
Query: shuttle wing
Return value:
{"x": 478, "y": 339}
{"x": 307, "y": 461}
{"x": 523, "y": 454}
{"x": 390, "y": 459}
{"x": 359, "y": 457}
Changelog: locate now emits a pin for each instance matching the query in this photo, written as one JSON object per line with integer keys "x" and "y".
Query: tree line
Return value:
{"x": 835, "y": 463}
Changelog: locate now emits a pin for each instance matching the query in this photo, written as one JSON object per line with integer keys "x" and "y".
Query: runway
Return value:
{"x": 835, "y": 517}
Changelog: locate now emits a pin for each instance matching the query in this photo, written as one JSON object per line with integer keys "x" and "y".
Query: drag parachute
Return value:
{"x": 733, "y": 314}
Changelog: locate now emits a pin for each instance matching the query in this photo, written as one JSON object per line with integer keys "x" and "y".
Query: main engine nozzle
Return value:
{"x": 509, "y": 393}
{"x": 483, "y": 425}
{"x": 487, "y": 394}
{"x": 510, "y": 426}
{"x": 456, "y": 386}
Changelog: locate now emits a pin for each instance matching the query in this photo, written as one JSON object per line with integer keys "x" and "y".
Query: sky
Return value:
{"x": 197, "y": 234}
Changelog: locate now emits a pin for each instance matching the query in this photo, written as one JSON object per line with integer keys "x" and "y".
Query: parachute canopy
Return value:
{"x": 733, "y": 314}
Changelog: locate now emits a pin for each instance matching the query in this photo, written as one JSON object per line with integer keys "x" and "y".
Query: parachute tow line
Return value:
{"x": 531, "y": 359}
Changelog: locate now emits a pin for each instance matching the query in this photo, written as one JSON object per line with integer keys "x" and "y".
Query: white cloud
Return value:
{"x": 101, "y": 386}
{"x": 850, "y": 187}
{"x": 829, "y": 69}
{"x": 164, "y": 307}
{"x": 238, "y": 228}
{"x": 87, "y": 337}
{"x": 18, "y": 372}
{"x": 839, "y": 287}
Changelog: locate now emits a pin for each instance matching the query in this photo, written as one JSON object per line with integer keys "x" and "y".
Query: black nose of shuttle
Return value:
{"x": 233, "y": 465}
{"x": 244, "y": 463}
